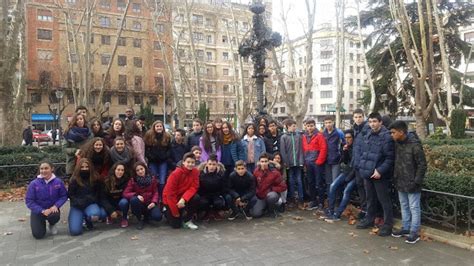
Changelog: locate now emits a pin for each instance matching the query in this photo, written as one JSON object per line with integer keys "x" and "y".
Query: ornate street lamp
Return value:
{"x": 59, "y": 95}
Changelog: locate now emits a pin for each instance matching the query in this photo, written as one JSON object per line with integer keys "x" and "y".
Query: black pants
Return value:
{"x": 216, "y": 202}
{"x": 379, "y": 189}
{"x": 38, "y": 223}
{"x": 361, "y": 191}
{"x": 185, "y": 214}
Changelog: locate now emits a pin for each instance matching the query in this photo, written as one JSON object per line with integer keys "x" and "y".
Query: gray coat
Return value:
{"x": 291, "y": 149}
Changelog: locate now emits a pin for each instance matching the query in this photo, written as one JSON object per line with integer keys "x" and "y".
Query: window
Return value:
{"x": 351, "y": 82}
{"x": 236, "y": 57}
{"x": 225, "y": 88}
{"x": 121, "y": 5}
{"x": 122, "y": 99}
{"x": 358, "y": 82}
{"x": 311, "y": 108}
{"x": 358, "y": 57}
{"x": 226, "y": 104}
{"x": 224, "y": 39}
{"x": 300, "y": 72}
{"x": 325, "y": 43}
{"x": 43, "y": 34}
{"x": 105, "y": 39}
{"x": 107, "y": 81}
{"x": 160, "y": 28}
{"x": 73, "y": 58}
{"x": 137, "y": 62}
{"x": 138, "y": 82}
{"x": 137, "y": 26}
{"x": 159, "y": 82}
{"x": 105, "y": 59}
{"x": 200, "y": 54}
{"x": 225, "y": 72}
{"x": 137, "y": 99}
{"x": 358, "y": 70}
{"x": 45, "y": 15}
{"x": 136, "y": 7}
{"x": 35, "y": 98}
{"x": 122, "y": 41}
{"x": 104, "y": 21}
{"x": 245, "y": 26}
{"x": 197, "y": 19}
{"x": 326, "y": 81}
{"x": 300, "y": 60}
{"x": 225, "y": 56}
{"x": 326, "y": 67}
{"x": 105, "y": 4}
{"x": 209, "y": 22}
{"x": 469, "y": 37}
{"x": 209, "y": 38}
{"x": 71, "y": 2}
{"x": 153, "y": 100}
{"x": 209, "y": 56}
{"x": 198, "y": 36}
{"x": 158, "y": 63}
{"x": 122, "y": 82}
{"x": 45, "y": 79}
{"x": 45, "y": 55}
{"x": 107, "y": 97}
{"x": 122, "y": 60}
{"x": 245, "y": 73}
{"x": 351, "y": 44}
{"x": 326, "y": 94}
{"x": 325, "y": 107}
{"x": 156, "y": 45}
{"x": 282, "y": 109}
{"x": 351, "y": 56}
{"x": 210, "y": 89}
{"x": 137, "y": 43}
{"x": 326, "y": 54}
{"x": 351, "y": 69}
{"x": 275, "y": 110}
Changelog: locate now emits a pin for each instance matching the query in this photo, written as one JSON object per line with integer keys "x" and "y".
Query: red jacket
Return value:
{"x": 315, "y": 148}
{"x": 149, "y": 193}
{"x": 182, "y": 183}
{"x": 267, "y": 181}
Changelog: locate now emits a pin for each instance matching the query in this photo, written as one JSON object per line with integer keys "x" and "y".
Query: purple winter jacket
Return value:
{"x": 41, "y": 195}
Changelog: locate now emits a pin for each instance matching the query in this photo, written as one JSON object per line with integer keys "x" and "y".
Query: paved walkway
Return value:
{"x": 263, "y": 241}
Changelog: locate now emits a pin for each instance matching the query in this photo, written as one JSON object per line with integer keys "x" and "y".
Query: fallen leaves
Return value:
{"x": 21, "y": 219}
{"x": 366, "y": 251}
{"x": 393, "y": 247}
{"x": 352, "y": 220}
{"x": 298, "y": 218}
{"x": 374, "y": 231}
{"x": 13, "y": 194}
{"x": 7, "y": 233}
{"x": 352, "y": 234}
{"x": 134, "y": 238}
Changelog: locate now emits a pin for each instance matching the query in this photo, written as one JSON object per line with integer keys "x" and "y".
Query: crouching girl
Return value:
{"x": 111, "y": 194}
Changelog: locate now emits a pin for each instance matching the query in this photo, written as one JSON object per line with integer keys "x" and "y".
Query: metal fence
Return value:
{"x": 21, "y": 174}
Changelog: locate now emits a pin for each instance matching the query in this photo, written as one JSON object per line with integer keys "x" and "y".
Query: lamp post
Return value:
{"x": 59, "y": 95}
{"x": 164, "y": 97}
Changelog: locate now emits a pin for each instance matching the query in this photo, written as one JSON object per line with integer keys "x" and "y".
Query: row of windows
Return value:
{"x": 199, "y": 20}
{"x": 121, "y": 5}
{"x": 324, "y": 108}
{"x": 136, "y": 25}
{"x": 122, "y": 99}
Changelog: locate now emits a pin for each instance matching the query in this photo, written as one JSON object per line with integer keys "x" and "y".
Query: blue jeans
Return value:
{"x": 250, "y": 167}
{"x": 77, "y": 216}
{"x": 335, "y": 186}
{"x": 295, "y": 182}
{"x": 411, "y": 211}
{"x": 124, "y": 206}
{"x": 140, "y": 209}
{"x": 315, "y": 181}
{"x": 160, "y": 170}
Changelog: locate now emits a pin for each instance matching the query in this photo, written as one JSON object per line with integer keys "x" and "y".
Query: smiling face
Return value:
{"x": 209, "y": 128}
{"x": 197, "y": 154}
{"x": 46, "y": 171}
{"x": 140, "y": 170}
{"x": 225, "y": 129}
{"x": 277, "y": 158}
{"x": 119, "y": 171}
{"x": 250, "y": 131}
{"x": 80, "y": 121}
{"x": 119, "y": 145}
{"x": 189, "y": 163}
{"x": 98, "y": 146}
{"x": 158, "y": 128}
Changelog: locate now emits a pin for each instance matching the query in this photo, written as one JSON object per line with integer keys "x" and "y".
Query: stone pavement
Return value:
{"x": 263, "y": 241}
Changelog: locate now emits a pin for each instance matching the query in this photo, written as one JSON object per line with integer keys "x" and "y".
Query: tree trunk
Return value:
{"x": 193, "y": 50}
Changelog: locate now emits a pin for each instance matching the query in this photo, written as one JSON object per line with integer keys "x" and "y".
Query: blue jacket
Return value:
{"x": 258, "y": 150}
{"x": 334, "y": 140}
{"x": 231, "y": 153}
{"x": 375, "y": 151}
{"x": 193, "y": 139}
{"x": 41, "y": 195}
{"x": 359, "y": 132}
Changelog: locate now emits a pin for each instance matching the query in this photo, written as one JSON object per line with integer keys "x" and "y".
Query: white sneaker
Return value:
{"x": 190, "y": 225}
{"x": 53, "y": 229}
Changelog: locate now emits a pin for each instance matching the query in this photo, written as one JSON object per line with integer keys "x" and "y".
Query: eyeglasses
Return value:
{"x": 348, "y": 137}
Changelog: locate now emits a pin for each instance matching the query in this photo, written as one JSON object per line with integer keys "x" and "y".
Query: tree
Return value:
{"x": 147, "y": 111}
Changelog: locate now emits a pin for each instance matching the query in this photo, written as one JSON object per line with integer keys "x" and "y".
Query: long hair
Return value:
{"x": 247, "y": 127}
{"x": 114, "y": 133}
{"x": 101, "y": 129}
{"x": 111, "y": 180}
{"x": 234, "y": 135}
{"x": 93, "y": 177}
{"x": 88, "y": 151}
{"x": 147, "y": 171}
{"x": 134, "y": 130}
{"x": 206, "y": 137}
{"x": 73, "y": 122}
{"x": 150, "y": 136}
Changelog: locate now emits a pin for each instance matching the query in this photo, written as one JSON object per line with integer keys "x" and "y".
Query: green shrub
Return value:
{"x": 448, "y": 141}
{"x": 458, "y": 124}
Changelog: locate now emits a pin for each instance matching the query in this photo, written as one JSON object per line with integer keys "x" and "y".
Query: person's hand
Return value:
{"x": 53, "y": 209}
{"x": 151, "y": 205}
{"x": 181, "y": 203}
{"x": 46, "y": 212}
{"x": 346, "y": 147}
{"x": 140, "y": 198}
{"x": 376, "y": 175}
{"x": 114, "y": 215}
{"x": 78, "y": 152}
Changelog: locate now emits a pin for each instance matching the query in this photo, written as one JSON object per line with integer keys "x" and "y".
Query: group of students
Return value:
{"x": 200, "y": 175}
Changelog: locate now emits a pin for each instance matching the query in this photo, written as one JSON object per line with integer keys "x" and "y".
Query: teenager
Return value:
{"x": 252, "y": 147}
{"x": 122, "y": 153}
{"x": 134, "y": 137}
{"x": 44, "y": 197}
{"x": 158, "y": 151}
{"x": 409, "y": 172}
{"x": 231, "y": 148}
{"x": 84, "y": 198}
{"x": 180, "y": 197}
{"x": 212, "y": 188}
{"x": 195, "y": 136}
{"x": 178, "y": 146}
{"x": 111, "y": 195}
{"x": 277, "y": 163}
{"x": 335, "y": 138}
{"x": 269, "y": 186}
{"x": 142, "y": 193}
{"x": 262, "y": 131}
{"x": 210, "y": 142}
{"x": 76, "y": 134}
{"x": 96, "y": 128}
{"x": 272, "y": 138}
{"x": 240, "y": 195}
{"x": 197, "y": 151}
{"x": 116, "y": 130}
{"x": 98, "y": 153}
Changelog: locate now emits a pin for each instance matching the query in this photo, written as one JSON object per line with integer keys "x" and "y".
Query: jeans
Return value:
{"x": 124, "y": 206}
{"x": 159, "y": 170}
{"x": 411, "y": 211}
{"x": 212, "y": 202}
{"x": 335, "y": 186}
{"x": 38, "y": 223}
{"x": 77, "y": 216}
{"x": 315, "y": 181}
{"x": 140, "y": 209}
{"x": 361, "y": 191}
{"x": 379, "y": 190}
{"x": 231, "y": 203}
{"x": 294, "y": 179}
{"x": 270, "y": 203}
{"x": 185, "y": 214}
{"x": 331, "y": 172}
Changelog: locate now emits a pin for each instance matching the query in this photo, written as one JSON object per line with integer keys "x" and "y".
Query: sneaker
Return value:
{"x": 364, "y": 224}
{"x": 412, "y": 238}
{"x": 233, "y": 216}
{"x": 190, "y": 225}
{"x": 108, "y": 220}
{"x": 282, "y": 208}
{"x": 140, "y": 225}
{"x": 361, "y": 215}
{"x": 312, "y": 206}
{"x": 89, "y": 225}
{"x": 124, "y": 223}
{"x": 385, "y": 231}
{"x": 334, "y": 218}
{"x": 400, "y": 233}
{"x": 53, "y": 229}
{"x": 246, "y": 214}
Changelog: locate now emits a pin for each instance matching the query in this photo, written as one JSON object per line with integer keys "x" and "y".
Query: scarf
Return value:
{"x": 143, "y": 181}
{"x": 77, "y": 134}
{"x": 97, "y": 159}
{"x": 123, "y": 157}
{"x": 227, "y": 139}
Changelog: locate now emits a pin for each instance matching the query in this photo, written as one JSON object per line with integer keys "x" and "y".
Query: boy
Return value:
{"x": 315, "y": 152}
{"x": 408, "y": 175}
{"x": 212, "y": 188}
{"x": 180, "y": 197}
{"x": 269, "y": 187}
{"x": 193, "y": 137}
{"x": 240, "y": 191}
{"x": 272, "y": 139}
{"x": 334, "y": 137}
{"x": 196, "y": 150}
{"x": 291, "y": 151}
{"x": 178, "y": 147}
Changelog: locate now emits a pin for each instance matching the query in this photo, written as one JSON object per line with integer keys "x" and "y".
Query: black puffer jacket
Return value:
{"x": 83, "y": 196}
{"x": 410, "y": 165}
{"x": 211, "y": 184}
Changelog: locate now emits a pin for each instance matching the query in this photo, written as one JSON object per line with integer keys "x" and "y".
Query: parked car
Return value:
{"x": 39, "y": 136}
{"x": 50, "y": 134}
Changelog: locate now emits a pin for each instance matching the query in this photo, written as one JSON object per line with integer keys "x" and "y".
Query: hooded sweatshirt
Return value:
{"x": 42, "y": 194}
{"x": 182, "y": 183}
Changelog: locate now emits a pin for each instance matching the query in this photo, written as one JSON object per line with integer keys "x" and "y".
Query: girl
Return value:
{"x": 121, "y": 153}
{"x": 96, "y": 128}
{"x": 116, "y": 130}
{"x": 252, "y": 147}
{"x": 210, "y": 142}
{"x": 277, "y": 163}
{"x": 98, "y": 153}
{"x": 158, "y": 151}
{"x": 111, "y": 194}
{"x": 84, "y": 195}
{"x": 262, "y": 131}
{"x": 135, "y": 139}
{"x": 142, "y": 192}
{"x": 76, "y": 134}
{"x": 44, "y": 197}
{"x": 231, "y": 148}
